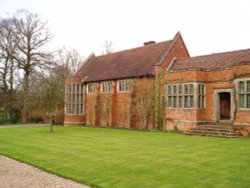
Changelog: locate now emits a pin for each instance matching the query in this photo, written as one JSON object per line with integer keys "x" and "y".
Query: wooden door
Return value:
{"x": 225, "y": 106}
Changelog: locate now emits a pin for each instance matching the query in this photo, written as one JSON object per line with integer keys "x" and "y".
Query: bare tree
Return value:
{"x": 108, "y": 47}
{"x": 7, "y": 63}
{"x": 70, "y": 58}
{"x": 47, "y": 93}
{"x": 32, "y": 35}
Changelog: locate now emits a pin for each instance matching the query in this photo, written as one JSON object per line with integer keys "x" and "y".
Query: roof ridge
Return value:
{"x": 166, "y": 53}
{"x": 216, "y": 53}
{"x": 136, "y": 48}
{"x": 214, "y": 61}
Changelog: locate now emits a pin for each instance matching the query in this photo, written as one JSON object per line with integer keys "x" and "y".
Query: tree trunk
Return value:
{"x": 5, "y": 94}
{"x": 51, "y": 122}
{"x": 26, "y": 97}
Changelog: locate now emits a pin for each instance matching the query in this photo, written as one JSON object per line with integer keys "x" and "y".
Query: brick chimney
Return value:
{"x": 149, "y": 42}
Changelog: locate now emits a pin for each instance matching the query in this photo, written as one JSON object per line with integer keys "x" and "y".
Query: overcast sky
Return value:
{"x": 207, "y": 26}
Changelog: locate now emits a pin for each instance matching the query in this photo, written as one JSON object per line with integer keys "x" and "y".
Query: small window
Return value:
{"x": 123, "y": 85}
{"x": 201, "y": 96}
{"x": 92, "y": 88}
{"x": 244, "y": 94}
{"x": 106, "y": 87}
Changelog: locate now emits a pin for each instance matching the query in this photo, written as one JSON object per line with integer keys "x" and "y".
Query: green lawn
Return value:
{"x": 122, "y": 158}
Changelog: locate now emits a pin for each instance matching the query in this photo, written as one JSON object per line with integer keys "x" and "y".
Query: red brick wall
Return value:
{"x": 188, "y": 118}
{"x": 119, "y": 116}
{"x": 73, "y": 79}
{"x": 120, "y": 110}
{"x": 218, "y": 79}
{"x": 90, "y": 109}
{"x": 242, "y": 119}
{"x": 177, "y": 50}
{"x": 74, "y": 119}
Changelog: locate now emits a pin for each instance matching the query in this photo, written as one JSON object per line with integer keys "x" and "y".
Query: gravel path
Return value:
{"x": 14, "y": 174}
{"x": 23, "y": 125}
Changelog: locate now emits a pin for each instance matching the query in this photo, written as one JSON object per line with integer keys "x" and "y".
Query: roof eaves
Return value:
{"x": 118, "y": 78}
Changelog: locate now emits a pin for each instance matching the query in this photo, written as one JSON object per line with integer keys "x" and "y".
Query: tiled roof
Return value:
{"x": 125, "y": 64}
{"x": 212, "y": 62}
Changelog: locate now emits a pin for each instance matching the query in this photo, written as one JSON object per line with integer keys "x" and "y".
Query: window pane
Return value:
{"x": 191, "y": 101}
{"x": 169, "y": 90}
{"x": 201, "y": 102}
{"x": 123, "y": 85}
{"x": 109, "y": 86}
{"x": 241, "y": 87}
{"x": 180, "y": 101}
{"x": 169, "y": 101}
{"x": 185, "y": 89}
{"x": 201, "y": 89}
{"x": 186, "y": 101}
{"x": 174, "y": 101}
{"x": 191, "y": 88}
{"x": 248, "y": 86}
{"x": 241, "y": 100}
{"x": 180, "y": 89}
{"x": 248, "y": 101}
{"x": 175, "y": 89}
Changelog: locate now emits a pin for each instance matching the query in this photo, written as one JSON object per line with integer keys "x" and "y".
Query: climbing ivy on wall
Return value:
{"x": 157, "y": 103}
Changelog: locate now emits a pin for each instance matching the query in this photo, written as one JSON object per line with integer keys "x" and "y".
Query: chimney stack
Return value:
{"x": 149, "y": 42}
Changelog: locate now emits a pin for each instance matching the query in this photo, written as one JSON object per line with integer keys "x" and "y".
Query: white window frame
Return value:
{"x": 106, "y": 87}
{"x": 91, "y": 88}
{"x": 123, "y": 85}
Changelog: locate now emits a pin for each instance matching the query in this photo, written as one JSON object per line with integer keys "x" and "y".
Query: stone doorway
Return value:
{"x": 225, "y": 106}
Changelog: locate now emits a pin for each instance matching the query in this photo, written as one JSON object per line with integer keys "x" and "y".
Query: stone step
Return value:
{"x": 216, "y": 126}
{"x": 212, "y": 135}
{"x": 213, "y": 132}
{"x": 213, "y": 129}
{"x": 218, "y": 130}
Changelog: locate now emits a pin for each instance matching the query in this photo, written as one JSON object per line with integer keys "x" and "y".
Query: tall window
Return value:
{"x": 106, "y": 87}
{"x": 123, "y": 85}
{"x": 91, "y": 88}
{"x": 184, "y": 95}
{"x": 74, "y": 99}
{"x": 244, "y": 94}
{"x": 201, "y": 96}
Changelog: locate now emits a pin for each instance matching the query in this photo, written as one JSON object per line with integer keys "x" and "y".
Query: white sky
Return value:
{"x": 207, "y": 26}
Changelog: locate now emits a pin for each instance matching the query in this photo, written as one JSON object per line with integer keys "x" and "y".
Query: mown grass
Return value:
{"x": 121, "y": 158}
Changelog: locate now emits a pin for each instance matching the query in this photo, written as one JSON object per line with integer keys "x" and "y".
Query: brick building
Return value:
{"x": 197, "y": 90}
